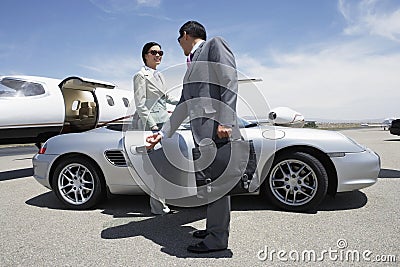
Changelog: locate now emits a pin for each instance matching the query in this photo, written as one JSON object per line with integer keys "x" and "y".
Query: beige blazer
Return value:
{"x": 151, "y": 98}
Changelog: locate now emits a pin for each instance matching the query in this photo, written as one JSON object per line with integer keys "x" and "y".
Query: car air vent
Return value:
{"x": 116, "y": 158}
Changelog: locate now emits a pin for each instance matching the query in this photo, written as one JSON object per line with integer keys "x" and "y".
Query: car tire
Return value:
{"x": 297, "y": 182}
{"x": 77, "y": 183}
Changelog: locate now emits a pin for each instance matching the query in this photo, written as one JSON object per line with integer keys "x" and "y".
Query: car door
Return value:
{"x": 165, "y": 171}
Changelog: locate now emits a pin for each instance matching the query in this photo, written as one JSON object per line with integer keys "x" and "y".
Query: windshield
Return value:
{"x": 134, "y": 126}
{"x": 243, "y": 123}
{"x": 18, "y": 88}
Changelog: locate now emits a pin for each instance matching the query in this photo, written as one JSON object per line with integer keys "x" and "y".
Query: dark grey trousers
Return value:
{"x": 218, "y": 219}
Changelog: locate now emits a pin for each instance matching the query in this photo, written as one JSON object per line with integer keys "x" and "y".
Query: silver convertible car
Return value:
{"x": 298, "y": 167}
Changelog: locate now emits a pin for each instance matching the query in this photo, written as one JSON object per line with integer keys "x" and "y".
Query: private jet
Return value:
{"x": 33, "y": 108}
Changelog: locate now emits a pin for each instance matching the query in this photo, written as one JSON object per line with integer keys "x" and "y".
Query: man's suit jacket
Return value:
{"x": 151, "y": 97}
{"x": 209, "y": 93}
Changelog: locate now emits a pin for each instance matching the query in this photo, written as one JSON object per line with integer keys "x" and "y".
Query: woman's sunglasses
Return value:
{"x": 155, "y": 52}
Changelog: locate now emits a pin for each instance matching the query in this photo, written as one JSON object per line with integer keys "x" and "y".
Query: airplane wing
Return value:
{"x": 249, "y": 80}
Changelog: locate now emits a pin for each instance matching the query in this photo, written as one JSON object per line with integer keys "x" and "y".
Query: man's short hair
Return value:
{"x": 193, "y": 29}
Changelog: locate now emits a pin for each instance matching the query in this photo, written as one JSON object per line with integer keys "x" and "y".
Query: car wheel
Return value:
{"x": 296, "y": 182}
{"x": 77, "y": 183}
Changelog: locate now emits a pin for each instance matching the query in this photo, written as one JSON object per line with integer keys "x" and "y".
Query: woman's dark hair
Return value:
{"x": 194, "y": 29}
{"x": 146, "y": 48}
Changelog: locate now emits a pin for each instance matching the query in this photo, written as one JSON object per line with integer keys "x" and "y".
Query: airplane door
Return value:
{"x": 81, "y": 104}
{"x": 166, "y": 171}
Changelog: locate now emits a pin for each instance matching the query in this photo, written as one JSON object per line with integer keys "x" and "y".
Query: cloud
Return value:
{"x": 343, "y": 78}
{"x": 336, "y": 82}
{"x": 123, "y": 6}
{"x": 159, "y": 17}
{"x": 371, "y": 17}
{"x": 149, "y": 3}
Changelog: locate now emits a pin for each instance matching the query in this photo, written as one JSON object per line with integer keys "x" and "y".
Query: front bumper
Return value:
{"x": 357, "y": 170}
{"x": 41, "y": 168}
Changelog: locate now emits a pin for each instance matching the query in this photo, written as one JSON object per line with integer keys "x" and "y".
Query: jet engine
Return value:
{"x": 284, "y": 116}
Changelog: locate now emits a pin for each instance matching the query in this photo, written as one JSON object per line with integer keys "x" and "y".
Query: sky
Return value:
{"x": 327, "y": 59}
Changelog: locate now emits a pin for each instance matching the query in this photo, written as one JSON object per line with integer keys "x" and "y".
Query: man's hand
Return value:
{"x": 153, "y": 140}
{"x": 224, "y": 131}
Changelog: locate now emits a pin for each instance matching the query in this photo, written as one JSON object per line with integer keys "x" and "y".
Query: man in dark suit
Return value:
{"x": 209, "y": 98}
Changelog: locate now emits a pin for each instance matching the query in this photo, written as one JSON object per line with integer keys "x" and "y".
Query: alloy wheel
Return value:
{"x": 293, "y": 182}
{"x": 76, "y": 184}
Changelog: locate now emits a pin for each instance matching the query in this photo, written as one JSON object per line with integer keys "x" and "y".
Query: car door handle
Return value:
{"x": 142, "y": 150}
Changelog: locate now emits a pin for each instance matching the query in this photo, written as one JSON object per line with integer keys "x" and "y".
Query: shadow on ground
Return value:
{"x": 172, "y": 231}
{"x": 15, "y": 174}
{"x": 388, "y": 173}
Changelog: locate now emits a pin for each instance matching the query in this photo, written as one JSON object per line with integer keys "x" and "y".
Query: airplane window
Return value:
{"x": 75, "y": 105}
{"x": 18, "y": 88}
{"x": 110, "y": 100}
{"x": 126, "y": 101}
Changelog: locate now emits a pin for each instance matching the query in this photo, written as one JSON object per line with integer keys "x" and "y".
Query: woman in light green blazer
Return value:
{"x": 151, "y": 98}
{"x": 150, "y": 89}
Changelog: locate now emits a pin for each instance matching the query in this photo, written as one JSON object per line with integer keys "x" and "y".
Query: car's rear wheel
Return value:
{"x": 77, "y": 183}
{"x": 296, "y": 182}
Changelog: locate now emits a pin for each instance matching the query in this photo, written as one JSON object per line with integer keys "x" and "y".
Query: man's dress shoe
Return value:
{"x": 200, "y": 234}
{"x": 202, "y": 248}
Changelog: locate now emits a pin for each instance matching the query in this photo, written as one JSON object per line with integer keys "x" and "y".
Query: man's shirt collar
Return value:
{"x": 196, "y": 46}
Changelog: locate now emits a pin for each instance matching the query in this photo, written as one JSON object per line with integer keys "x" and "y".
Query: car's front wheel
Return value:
{"x": 297, "y": 181}
{"x": 77, "y": 183}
